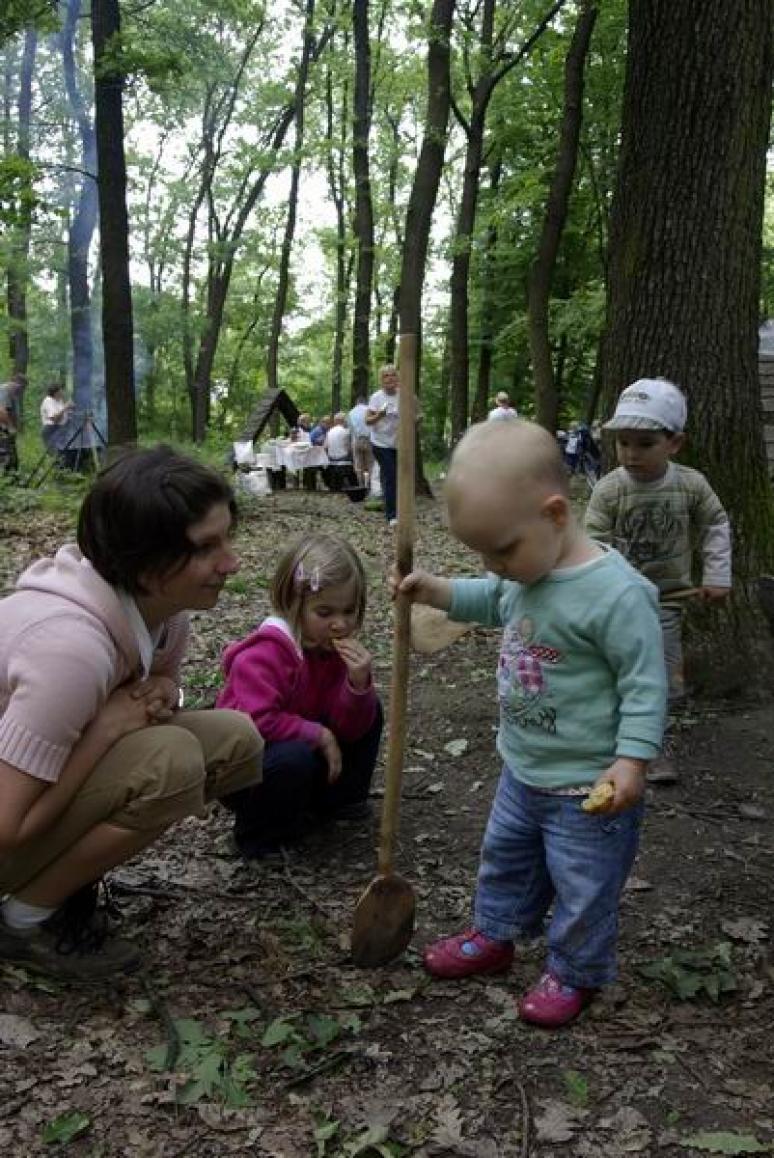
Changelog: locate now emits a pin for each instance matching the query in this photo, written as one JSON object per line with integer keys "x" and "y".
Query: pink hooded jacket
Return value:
{"x": 290, "y": 693}
{"x": 65, "y": 645}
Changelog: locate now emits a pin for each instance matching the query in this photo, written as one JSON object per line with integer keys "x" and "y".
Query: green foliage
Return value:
{"x": 65, "y": 1127}
{"x": 16, "y": 15}
{"x": 577, "y": 1088}
{"x": 304, "y": 1035}
{"x": 18, "y": 199}
{"x": 692, "y": 973}
{"x": 726, "y": 1142}
{"x": 212, "y": 1072}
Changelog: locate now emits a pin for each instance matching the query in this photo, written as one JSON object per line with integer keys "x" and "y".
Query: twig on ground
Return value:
{"x": 525, "y": 1121}
{"x": 159, "y": 1007}
{"x": 175, "y": 890}
{"x": 333, "y": 1062}
{"x": 302, "y": 892}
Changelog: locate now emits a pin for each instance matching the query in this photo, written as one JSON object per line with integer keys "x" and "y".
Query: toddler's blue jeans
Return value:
{"x": 541, "y": 850}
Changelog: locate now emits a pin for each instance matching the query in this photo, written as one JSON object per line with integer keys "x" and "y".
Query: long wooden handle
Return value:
{"x": 404, "y": 561}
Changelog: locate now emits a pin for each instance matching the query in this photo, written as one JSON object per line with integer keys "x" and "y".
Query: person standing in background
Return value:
{"x": 362, "y": 454}
{"x": 503, "y": 411}
{"x": 382, "y": 421}
{"x": 55, "y": 415}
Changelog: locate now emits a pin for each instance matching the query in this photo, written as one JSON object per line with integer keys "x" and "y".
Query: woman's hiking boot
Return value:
{"x": 75, "y": 943}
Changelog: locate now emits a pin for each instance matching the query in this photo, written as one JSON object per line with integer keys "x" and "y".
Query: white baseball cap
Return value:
{"x": 650, "y": 404}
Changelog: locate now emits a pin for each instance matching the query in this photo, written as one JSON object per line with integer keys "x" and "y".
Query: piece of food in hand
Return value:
{"x": 600, "y": 798}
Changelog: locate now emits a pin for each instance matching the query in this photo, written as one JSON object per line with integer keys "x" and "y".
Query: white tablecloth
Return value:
{"x": 294, "y": 455}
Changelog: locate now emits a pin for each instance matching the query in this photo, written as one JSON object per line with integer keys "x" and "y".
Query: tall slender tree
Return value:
{"x": 424, "y": 189}
{"x": 18, "y": 271}
{"x": 117, "y": 328}
{"x": 496, "y": 61}
{"x": 542, "y": 272}
{"x": 83, "y": 220}
{"x": 299, "y": 102}
{"x": 364, "y": 212}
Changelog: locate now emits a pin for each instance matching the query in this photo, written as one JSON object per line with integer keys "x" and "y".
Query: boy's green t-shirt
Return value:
{"x": 658, "y": 525}
{"x": 581, "y": 676}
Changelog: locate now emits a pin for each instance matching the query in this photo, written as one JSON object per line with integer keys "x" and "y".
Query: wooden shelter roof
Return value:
{"x": 259, "y": 416}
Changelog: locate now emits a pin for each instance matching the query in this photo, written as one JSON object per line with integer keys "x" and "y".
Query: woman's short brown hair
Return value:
{"x": 135, "y": 519}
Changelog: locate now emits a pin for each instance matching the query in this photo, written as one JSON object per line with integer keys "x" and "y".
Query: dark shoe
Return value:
{"x": 662, "y": 771}
{"x": 355, "y": 810}
{"x": 75, "y": 943}
{"x": 258, "y": 848}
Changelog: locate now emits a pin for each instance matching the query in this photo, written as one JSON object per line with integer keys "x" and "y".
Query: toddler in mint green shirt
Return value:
{"x": 582, "y": 695}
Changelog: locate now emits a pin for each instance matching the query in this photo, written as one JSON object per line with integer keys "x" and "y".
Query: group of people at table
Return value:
{"x": 346, "y": 446}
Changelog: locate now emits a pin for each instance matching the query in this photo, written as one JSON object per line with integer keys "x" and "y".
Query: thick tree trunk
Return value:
{"x": 542, "y": 272}
{"x": 280, "y": 301}
{"x": 364, "y": 213}
{"x": 424, "y": 190}
{"x": 82, "y": 223}
{"x": 117, "y": 330}
{"x": 18, "y": 267}
{"x": 685, "y": 243}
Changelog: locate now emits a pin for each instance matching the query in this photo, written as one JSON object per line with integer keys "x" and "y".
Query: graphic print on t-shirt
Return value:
{"x": 648, "y": 534}
{"x": 522, "y": 687}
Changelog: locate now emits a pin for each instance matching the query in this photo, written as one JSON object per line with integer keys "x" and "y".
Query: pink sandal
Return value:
{"x": 551, "y": 1004}
{"x": 467, "y": 953}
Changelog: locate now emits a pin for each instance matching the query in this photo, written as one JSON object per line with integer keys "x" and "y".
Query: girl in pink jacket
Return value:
{"x": 306, "y": 682}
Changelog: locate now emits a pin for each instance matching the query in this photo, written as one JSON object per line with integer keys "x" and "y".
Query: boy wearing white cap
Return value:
{"x": 655, "y": 510}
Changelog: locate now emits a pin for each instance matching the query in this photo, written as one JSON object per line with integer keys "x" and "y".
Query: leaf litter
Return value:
{"x": 431, "y": 1068}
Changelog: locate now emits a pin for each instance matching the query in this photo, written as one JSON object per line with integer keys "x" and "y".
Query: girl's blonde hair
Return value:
{"x": 310, "y": 565}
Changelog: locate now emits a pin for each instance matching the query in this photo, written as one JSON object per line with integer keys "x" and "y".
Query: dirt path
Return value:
{"x": 284, "y": 1049}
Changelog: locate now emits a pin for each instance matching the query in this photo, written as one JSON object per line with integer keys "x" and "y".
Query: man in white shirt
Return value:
{"x": 382, "y": 419}
{"x": 54, "y": 417}
{"x": 503, "y": 409}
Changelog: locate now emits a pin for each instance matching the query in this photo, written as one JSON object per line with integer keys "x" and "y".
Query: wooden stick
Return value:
{"x": 404, "y": 560}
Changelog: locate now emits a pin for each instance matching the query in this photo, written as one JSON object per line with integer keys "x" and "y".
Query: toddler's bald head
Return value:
{"x": 516, "y": 458}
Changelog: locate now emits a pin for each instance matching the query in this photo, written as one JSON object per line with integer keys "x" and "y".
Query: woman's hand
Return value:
{"x": 122, "y": 712}
{"x": 357, "y": 661}
{"x": 160, "y": 694}
{"x": 329, "y": 746}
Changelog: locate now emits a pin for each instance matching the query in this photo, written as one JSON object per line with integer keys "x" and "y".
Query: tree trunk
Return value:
{"x": 280, "y": 301}
{"x": 364, "y": 213}
{"x": 486, "y": 324}
{"x": 460, "y": 275}
{"x": 542, "y": 272}
{"x": 82, "y": 223}
{"x": 424, "y": 189}
{"x": 496, "y": 63}
{"x": 685, "y": 245}
{"x": 117, "y": 330}
{"x": 337, "y": 184}
{"x": 18, "y": 265}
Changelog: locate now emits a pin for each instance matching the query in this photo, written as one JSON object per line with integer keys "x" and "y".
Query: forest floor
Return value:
{"x": 283, "y": 1048}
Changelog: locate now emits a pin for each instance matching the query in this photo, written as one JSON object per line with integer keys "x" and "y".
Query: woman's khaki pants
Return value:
{"x": 146, "y": 782}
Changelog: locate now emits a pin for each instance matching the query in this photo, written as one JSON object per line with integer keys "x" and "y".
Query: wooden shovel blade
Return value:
{"x": 432, "y": 630}
{"x": 384, "y": 921}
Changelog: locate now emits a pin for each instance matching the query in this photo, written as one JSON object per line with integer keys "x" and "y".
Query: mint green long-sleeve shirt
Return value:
{"x": 581, "y": 678}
